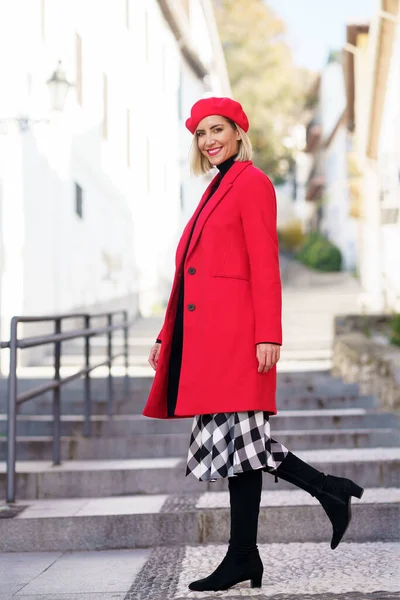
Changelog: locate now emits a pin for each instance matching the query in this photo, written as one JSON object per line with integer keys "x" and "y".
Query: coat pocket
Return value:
{"x": 242, "y": 277}
{"x": 230, "y": 261}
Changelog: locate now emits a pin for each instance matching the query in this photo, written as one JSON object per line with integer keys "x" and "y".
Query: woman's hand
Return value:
{"x": 267, "y": 356}
{"x": 154, "y": 355}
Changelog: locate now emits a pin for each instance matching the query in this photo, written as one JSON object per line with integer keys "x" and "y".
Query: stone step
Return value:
{"x": 77, "y": 360}
{"x": 138, "y": 357}
{"x": 127, "y": 424}
{"x": 176, "y": 444}
{"x": 307, "y": 381}
{"x": 146, "y": 521}
{"x": 295, "y": 572}
{"x": 130, "y": 396}
{"x": 73, "y": 403}
{"x": 370, "y": 467}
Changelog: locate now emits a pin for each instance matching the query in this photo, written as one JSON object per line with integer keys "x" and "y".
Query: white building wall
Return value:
{"x": 379, "y": 244}
{"x": 336, "y": 223}
{"x": 121, "y": 253}
{"x": 370, "y": 261}
{"x": 389, "y": 178}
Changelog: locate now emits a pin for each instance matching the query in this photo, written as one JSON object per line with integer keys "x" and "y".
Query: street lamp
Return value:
{"x": 58, "y": 86}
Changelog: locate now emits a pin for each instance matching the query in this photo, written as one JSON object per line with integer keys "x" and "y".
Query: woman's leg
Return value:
{"x": 245, "y": 496}
{"x": 242, "y": 561}
{"x": 334, "y": 493}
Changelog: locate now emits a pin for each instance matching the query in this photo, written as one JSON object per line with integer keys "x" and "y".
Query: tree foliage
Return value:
{"x": 263, "y": 76}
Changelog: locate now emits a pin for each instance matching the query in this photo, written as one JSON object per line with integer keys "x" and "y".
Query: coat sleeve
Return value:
{"x": 257, "y": 205}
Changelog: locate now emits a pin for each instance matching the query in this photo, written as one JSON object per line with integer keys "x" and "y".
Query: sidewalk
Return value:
{"x": 310, "y": 302}
{"x": 292, "y": 572}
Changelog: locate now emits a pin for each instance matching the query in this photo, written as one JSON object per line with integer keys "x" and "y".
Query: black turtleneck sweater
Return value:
{"x": 174, "y": 368}
{"x": 223, "y": 168}
{"x": 175, "y": 361}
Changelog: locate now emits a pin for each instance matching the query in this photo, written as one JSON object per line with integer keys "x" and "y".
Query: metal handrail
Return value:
{"x": 56, "y": 338}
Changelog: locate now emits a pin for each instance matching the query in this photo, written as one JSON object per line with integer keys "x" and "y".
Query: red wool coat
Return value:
{"x": 232, "y": 301}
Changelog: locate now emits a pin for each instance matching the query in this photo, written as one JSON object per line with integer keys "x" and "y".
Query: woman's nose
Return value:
{"x": 210, "y": 140}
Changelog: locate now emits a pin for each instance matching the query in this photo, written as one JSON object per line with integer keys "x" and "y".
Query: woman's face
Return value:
{"x": 217, "y": 139}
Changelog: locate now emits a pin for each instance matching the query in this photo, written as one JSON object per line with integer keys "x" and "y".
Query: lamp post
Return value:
{"x": 58, "y": 86}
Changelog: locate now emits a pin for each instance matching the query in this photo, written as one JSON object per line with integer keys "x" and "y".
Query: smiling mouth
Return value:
{"x": 214, "y": 151}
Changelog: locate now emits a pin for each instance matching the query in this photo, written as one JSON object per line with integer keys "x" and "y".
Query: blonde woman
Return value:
{"x": 215, "y": 357}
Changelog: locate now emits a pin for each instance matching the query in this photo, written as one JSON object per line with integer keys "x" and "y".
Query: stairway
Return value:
{"x": 123, "y": 492}
{"x": 125, "y": 486}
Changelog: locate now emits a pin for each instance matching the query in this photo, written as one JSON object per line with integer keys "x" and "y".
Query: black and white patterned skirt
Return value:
{"x": 226, "y": 444}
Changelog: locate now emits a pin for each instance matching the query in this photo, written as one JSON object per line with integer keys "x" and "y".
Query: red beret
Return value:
{"x": 225, "y": 107}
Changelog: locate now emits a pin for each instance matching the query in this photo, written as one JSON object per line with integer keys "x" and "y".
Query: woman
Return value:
{"x": 215, "y": 357}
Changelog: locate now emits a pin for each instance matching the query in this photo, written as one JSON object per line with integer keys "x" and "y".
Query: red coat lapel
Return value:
{"x": 226, "y": 184}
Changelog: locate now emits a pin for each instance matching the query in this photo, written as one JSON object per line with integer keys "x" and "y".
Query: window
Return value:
{"x": 105, "y": 106}
{"x": 127, "y": 13}
{"x": 146, "y": 35}
{"x": 78, "y": 58}
{"x": 164, "y": 68}
{"x": 148, "y": 163}
{"x": 128, "y": 137}
{"x": 186, "y": 7}
{"x": 43, "y": 19}
{"x": 78, "y": 200}
{"x": 180, "y": 94}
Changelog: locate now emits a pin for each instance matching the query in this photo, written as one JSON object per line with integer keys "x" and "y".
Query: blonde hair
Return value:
{"x": 200, "y": 165}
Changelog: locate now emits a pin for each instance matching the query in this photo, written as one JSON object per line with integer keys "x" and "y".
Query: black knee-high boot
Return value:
{"x": 242, "y": 561}
{"x": 334, "y": 493}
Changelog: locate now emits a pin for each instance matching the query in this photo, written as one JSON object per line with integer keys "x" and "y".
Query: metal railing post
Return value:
{"x": 126, "y": 352}
{"x": 55, "y": 385}
{"x": 87, "y": 425}
{"x": 110, "y": 399}
{"x": 56, "y": 399}
{"x": 12, "y": 414}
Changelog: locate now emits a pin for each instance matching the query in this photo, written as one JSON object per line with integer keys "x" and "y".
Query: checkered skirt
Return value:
{"x": 226, "y": 444}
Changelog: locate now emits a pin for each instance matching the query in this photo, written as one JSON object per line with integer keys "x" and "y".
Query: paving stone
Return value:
{"x": 292, "y": 572}
{"x": 302, "y": 569}
{"x": 89, "y": 596}
{"x": 179, "y": 503}
{"x": 158, "y": 579}
{"x": 7, "y": 590}
{"x": 313, "y": 570}
{"x": 18, "y": 569}
{"x": 88, "y": 573}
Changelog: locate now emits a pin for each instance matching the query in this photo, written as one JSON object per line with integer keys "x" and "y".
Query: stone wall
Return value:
{"x": 359, "y": 358}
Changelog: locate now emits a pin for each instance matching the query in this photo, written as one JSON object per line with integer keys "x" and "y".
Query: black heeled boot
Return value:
{"x": 242, "y": 561}
{"x": 334, "y": 493}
